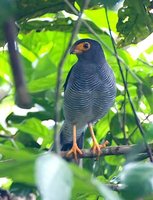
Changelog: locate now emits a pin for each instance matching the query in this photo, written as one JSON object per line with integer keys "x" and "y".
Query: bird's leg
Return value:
{"x": 96, "y": 148}
{"x": 75, "y": 149}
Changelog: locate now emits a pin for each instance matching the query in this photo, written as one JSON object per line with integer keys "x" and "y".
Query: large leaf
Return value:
{"x": 32, "y": 9}
{"x": 135, "y": 21}
{"x": 36, "y": 129}
{"x": 137, "y": 181}
{"x": 58, "y": 24}
{"x": 17, "y": 165}
{"x": 84, "y": 183}
{"x": 99, "y": 18}
{"x": 42, "y": 84}
{"x": 52, "y": 173}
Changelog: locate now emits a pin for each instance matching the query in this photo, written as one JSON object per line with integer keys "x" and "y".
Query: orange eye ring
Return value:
{"x": 80, "y": 48}
{"x": 86, "y": 45}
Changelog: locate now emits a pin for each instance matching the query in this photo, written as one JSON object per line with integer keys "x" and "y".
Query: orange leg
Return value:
{"x": 75, "y": 149}
{"x": 96, "y": 148}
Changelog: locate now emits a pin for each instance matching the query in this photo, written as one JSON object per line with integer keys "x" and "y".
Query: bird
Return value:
{"x": 89, "y": 93}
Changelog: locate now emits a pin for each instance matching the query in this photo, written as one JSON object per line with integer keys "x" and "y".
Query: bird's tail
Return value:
{"x": 66, "y": 138}
{"x": 65, "y": 146}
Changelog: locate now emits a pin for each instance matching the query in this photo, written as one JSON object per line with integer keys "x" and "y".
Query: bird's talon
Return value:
{"x": 74, "y": 150}
{"x": 96, "y": 149}
{"x": 102, "y": 146}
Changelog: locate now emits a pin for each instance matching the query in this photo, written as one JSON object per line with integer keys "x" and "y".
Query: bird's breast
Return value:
{"x": 89, "y": 94}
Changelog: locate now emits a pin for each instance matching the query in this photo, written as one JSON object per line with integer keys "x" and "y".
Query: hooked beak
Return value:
{"x": 75, "y": 50}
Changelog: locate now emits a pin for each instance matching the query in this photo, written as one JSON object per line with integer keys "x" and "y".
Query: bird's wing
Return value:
{"x": 67, "y": 78}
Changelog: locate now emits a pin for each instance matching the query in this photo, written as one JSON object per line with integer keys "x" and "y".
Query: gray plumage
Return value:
{"x": 89, "y": 91}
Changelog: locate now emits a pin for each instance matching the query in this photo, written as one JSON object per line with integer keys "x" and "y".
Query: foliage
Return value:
{"x": 135, "y": 21}
{"x": 44, "y": 32}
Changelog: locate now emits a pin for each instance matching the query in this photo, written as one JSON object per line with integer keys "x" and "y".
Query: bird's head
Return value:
{"x": 87, "y": 49}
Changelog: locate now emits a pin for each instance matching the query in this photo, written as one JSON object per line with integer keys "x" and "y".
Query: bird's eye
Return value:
{"x": 86, "y": 45}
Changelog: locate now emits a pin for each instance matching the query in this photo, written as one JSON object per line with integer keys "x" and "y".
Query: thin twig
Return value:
{"x": 124, "y": 113}
{"x": 114, "y": 187}
{"x": 9, "y": 137}
{"x": 144, "y": 62}
{"x": 134, "y": 130}
{"x": 59, "y": 73}
{"x": 23, "y": 99}
{"x": 127, "y": 91}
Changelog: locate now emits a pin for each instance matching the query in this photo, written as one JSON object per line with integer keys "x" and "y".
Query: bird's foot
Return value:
{"x": 75, "y": 151}
{"x": 96, "y": 148}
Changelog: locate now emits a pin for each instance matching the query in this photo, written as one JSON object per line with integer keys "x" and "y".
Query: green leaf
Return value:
{"x": 99, "y": 18}
{"x": 44, "y": 67}
{"x": 22, "y": 189}
{"x": 35, "y": 8}
{"x": 36, "y": 129}
{"x": 53, "y": 173}
{"x": 148, "y": 127}
{"x": 42, "y": 84}
{"x": 84, "y": 183}
{"x": 58, "y": 24}
{"x": 96, "y": 4}
{"x": 135, "y": 22}
{"x": 148, "y": 93}
{"x": 137, "y": 181}
{"x": 116, "y": 124}
{"x": 17, "y": 165}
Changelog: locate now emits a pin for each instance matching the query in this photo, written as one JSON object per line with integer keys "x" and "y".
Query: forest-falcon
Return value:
{"x": 89, "y": 92}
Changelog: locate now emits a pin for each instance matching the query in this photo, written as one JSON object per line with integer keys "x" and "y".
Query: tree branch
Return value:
{"x": 108, "y": 151}
{"x": 22, "y": 96}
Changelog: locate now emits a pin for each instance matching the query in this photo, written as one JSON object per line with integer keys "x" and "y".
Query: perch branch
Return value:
{"x": 108, "y": 151}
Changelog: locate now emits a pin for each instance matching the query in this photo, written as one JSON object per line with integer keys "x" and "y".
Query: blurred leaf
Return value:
{"x": 17, "y": 165}
{"x": 44, "y": 67}
{"x": 35, "y": 128}
{"x": 116, "y": 124}
{"x": 26, "y": 140}
{"x": 83, "y": 183}
{"x": 42, "y": 84}
{"x": 114, "y": 160}
{"x": 14, "y": 119}
{"x": 148, "y": 127}
{"x": 52, "y": 173}
{"x": 22, "y": 189}
{"x": 148, "y": 93}
{"x": 7, "y": 9}
{"x": 137, "y": 181}
{"x": 34, "y": 9}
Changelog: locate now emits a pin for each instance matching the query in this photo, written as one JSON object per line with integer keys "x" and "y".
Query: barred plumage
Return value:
{"x": 89, "y": 91}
